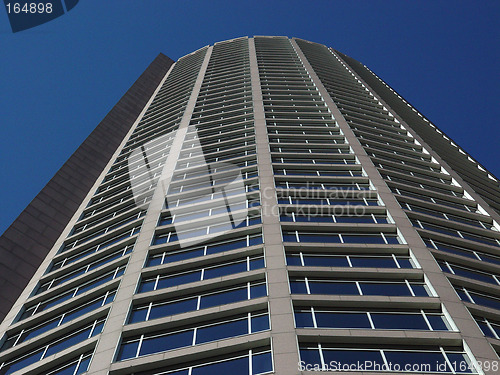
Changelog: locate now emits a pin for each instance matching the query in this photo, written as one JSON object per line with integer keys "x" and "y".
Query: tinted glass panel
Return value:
{"x": 385, "y": 289}
{"x": 399, "y": 321}
{"x": 162, "y": 343}
{"x": 223, "y": 298}
{"x": 128, "y": 350}
{"x": 225, "y": 270}
{"x": 173, "y": 308}
{"x": 405, "y": 263}
{"x": 485, "y": 301}
{"x": 179, "y": 280}
{"x": 437, "y": 322}
{"x": 256, "y": 264}
{"x": 373, "y": 262}
{"x": 234, "y": 367}
{"x": 258, "y": 291}
{"x": 82, "y": 311}
{"x": 226, "y": 246}
{"x": 70, "y": 341}
{"x": 260, "y": 323}
{"x": 416, "y": 359}
{"x": 303, "y": 319}
{"x": 69, "y": 370}
{"x": 138, "y": 315}
{"x": 333, "y": 288}
{"x": 261, "y": 363}
{"x": 26, "y": 361}
{"x": 310, "y": 356}
{"x": 348, "y": 238}
{"x": 325, "y": 261}
{"x": 293, "y": 260}
{"x": 419, "y": 290}
{"x": 222, "y": 331}
{"x": 298, "y": 287}
{"x": 146, "y": 286}
{"x": 174, "y": 257}
{"x": 39, "y": 330}
{"x": 342, "y": 320}
{"x": 463, "y": 363}
{"x": 84, "y": 365}
{"x": 352, "y": 357}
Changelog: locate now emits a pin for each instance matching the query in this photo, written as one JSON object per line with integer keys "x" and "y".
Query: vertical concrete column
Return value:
{"x": 284, "y": 338}
{"x": 110, "y": 337}
{"x": 470, "y": 332}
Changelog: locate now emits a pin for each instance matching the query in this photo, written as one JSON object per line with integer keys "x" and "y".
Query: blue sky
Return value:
{"x": 59, "y": 80}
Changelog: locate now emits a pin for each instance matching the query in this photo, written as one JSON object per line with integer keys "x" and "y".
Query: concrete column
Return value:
{"x": 284, "y": 339}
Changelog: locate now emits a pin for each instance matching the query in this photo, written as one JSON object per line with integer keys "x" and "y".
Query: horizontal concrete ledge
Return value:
{"x": 365, "y": 302}
{"x": 347, "y": 248}
{"x": 357, "y": 274}
{"x": 396, "y": 338}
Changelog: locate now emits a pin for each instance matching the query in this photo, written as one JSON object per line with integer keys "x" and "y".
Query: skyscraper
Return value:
{"x": 262, "y": 205}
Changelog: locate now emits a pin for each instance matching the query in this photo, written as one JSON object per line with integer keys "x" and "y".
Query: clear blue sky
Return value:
{"x": 60, "y": 79}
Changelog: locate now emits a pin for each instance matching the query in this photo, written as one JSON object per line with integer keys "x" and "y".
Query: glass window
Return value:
{"x": 484, "y": 300}
{"x": 259, "y": 290}
{"x": 385, "y": 289}
{"x": 463, "y": 362}
{"x": 166, "y": 342}
{"x": 420, "y": 290}
{"x": 39, "y": 353}
{"x": 128, "y": 350}
{"x": 325, "y": 261}
{"x": 303, "y": 319}
{"x": 438, "y": 322}
{"x": 138, "y": 315}
{"x": 167, "y": 309}
{"x": 222, "y": 298}
{"x": 343, "y": 288}
{"x": 352, "y": 357}
{"x": 369, "y": 239}
{"x": 399, "y": 321}
{"x": 262, "y": 363}
{"x": 166, "y": 282}
{"x": 311, "y": 357}
{"x": 415, "y": 359}
{"x": 293, "y": 260}
{"x": 260, "y": 323}
{"x": 234, "y": 366}
{"x": 74, "y": 367}
{"x": 147, "y": 285}
{"x": 17, "y": 364}
{"x": 342, "y": 320}
{"x": 376, "y": 262}
{"x": 158, "y": 342}
{"x": 221, "y": 331}
{"x": 298, "y": 287}
{"x": 69, "y": 341}
{"x": 228, "y": 269}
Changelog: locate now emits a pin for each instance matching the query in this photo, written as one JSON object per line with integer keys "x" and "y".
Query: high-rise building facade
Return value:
{"x": 263, "y": 205}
